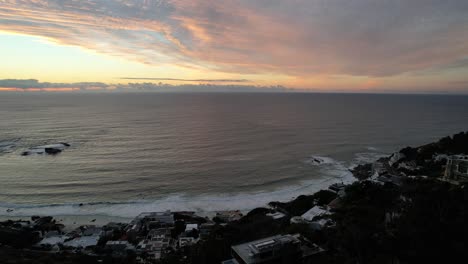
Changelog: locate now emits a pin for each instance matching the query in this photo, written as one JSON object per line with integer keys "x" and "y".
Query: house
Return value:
{"x": 157, "y": 219}
{"x": 275, "y": 249}
{"x": 184, "y": 241}
{"x": 396, "y": 180}
{"x": 148, "y": 221}
{"x": 159, "y": 233}
{"x": 297, "y": 220}
{"x": 191, "y": 227}
{"x": 457, "y": 168}
{"x": 337, "y": 187}
{"x": 52, "y": 238}
{"x": 205, "y": 230}
{"x": 276, "y": 215}
{"x": 119, "y": 247}
{"x": 315, "y": 211}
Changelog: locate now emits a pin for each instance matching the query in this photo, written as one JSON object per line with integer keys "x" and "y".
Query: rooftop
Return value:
{"x": 248, "y": 251}
{"x": 314, "y": 212}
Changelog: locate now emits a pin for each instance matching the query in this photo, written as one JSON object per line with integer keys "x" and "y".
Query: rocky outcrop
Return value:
{"x": 52, "y": 149}
{"x": 363, "y": 171}
{"x": 427, "y": 160}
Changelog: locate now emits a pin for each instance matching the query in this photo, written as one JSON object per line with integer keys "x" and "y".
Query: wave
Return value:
{"x": 7, "y": 146}
{"x": 370, "y": 148}
{"x": 336, "y": 172}
{"x": 317, "y": 160}
{"x": 207, "y": 203}
{"x": 329, "y": 170}
{"x": 368, "y": 157}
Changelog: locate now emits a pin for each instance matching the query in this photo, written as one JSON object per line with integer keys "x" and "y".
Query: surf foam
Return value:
{"x": 330, "y": 171}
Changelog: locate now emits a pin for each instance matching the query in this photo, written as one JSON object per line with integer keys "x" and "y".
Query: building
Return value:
{"x": 148, "y": 221}
{"x": 276, "y": 215}
{"x": 119, "y": 248}
{"x": 457, "y": 168}
{"x": 205, "y": 230}
{"x": 383, "y": 179}
{"x": 298, "y": 220}
{"x": 157, "y": 219}
{"x": 275, "y": 249}
{"x": 337, "y": 187}
{"x": 184, "y": 241}
{"x": 315, "y": 211}
{"x": 191, "y": 227}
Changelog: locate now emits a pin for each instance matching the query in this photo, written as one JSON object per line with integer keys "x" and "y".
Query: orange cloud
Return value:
{"x": 8, "y": 89}
{"x": 300, "y": 39}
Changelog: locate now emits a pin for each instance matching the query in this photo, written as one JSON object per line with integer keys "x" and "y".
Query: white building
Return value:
{"x": 314, "y": 212}
{"x": 457, "y": 168}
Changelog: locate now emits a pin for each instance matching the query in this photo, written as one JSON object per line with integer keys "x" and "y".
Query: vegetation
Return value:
{"x": 303, "y": 203}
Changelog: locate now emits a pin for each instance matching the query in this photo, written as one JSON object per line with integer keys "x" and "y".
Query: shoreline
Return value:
{"x": 381, "y": 205}
{"x": 205, "y": 205}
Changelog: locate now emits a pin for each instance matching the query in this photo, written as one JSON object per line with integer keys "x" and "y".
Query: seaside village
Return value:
{"x": 154, "y": 236}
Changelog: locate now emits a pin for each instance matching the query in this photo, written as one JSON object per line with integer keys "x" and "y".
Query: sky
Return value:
{"x": 417, "y": 46}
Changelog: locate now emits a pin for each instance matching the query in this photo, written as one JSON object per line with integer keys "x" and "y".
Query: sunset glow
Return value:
{"x": 352, "y": 46}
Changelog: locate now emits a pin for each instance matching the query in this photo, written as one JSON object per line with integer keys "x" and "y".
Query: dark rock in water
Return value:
{"x": 362, "y": 172}
{"x": 52, "y": 151}
{"x": 94, "y": 220}
{"x": 80, "y": 204}
{"x": 35, "y": 217}
{"x": 9, "y": 210}
{"x": 43, "y": 220}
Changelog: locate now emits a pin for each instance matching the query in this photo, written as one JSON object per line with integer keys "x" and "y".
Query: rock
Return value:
{"x": 52, "y": 151}
{"x": 362, "y": 172}
{"x": 396, "y": 157}
{"x": 9, "y": 210}
{"x": 43, "y": 220}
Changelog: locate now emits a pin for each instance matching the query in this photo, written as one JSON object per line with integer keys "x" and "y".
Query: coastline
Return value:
{"x": 390, "y": 202}
{"x": 331, "y": 171}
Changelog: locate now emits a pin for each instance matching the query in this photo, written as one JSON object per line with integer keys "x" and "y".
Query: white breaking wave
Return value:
{"x": 372, "y": 148}
{"x": 367, "y": 157}
{"x": 320, "y": 160}
{"x": 329, "y": 170}
{"x": 8, "y": 146}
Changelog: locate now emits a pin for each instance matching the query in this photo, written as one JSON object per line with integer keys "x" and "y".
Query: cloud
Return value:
{"x": 298, "y": 37}
{"x": 188, "y": 80}
{"x": 32, "y": 85}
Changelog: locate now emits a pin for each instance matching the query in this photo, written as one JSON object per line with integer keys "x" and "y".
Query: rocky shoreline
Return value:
{"x": 402, "y": 209}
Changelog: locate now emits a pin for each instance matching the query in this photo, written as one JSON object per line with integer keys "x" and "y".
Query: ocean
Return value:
{"x": 135, "y": 152}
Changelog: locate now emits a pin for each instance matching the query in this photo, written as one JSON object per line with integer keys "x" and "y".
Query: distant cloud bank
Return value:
{"x": 32, "y": 85}
{"x": 188, "y": 80}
